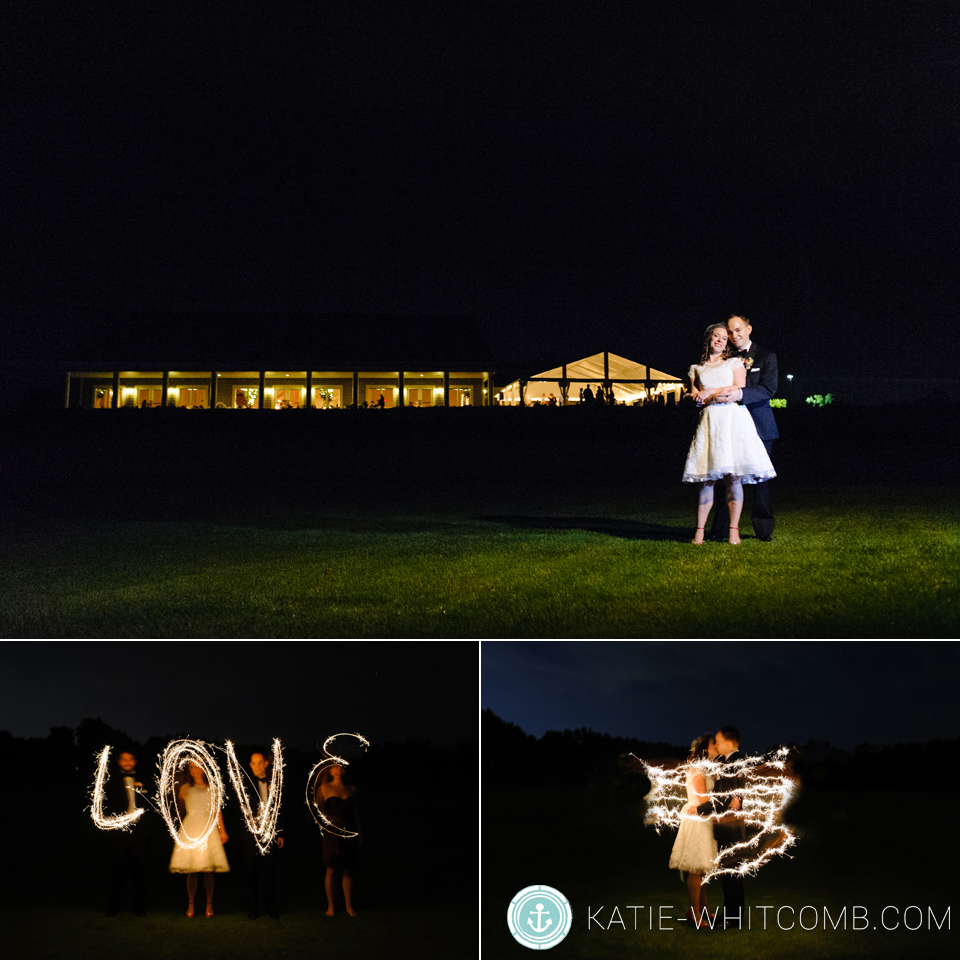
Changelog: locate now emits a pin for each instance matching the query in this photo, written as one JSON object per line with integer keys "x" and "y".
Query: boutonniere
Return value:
{"x": 748, "y": 363}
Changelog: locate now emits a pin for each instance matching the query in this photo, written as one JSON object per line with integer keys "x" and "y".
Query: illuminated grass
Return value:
{"x": 847, "y": 562}
{"x": 836, "y": 864}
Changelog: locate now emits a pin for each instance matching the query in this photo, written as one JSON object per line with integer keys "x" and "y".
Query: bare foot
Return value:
{"x": 352, "y": 912}
{"x": 329, "y": 912}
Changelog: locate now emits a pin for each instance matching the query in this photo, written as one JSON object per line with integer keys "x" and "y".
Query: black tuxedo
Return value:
{"x": 261, "y": 868}
{"x": 128, "y": 848}
{"x": 728, "y": 834}
{"x": 762, "y": 382}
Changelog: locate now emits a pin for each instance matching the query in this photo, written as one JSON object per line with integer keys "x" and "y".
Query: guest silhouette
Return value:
{"x": 338, "y": 801}
{"x": 128, "y": 848}
{"x": 261, "y": 868}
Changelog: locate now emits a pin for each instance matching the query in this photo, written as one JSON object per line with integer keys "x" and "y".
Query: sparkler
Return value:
{"x": 178, "y": 754}
{"x": 263, "y": 825}
{"x": 765, "y": 795}
{"x": 321, "y": 818}
{"x": 119, "y": 821}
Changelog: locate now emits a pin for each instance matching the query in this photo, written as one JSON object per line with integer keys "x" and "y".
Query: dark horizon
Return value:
{"x": 300, "y": 692}
{"x": 846, "y": 694}
{"x": 577, "y": 177}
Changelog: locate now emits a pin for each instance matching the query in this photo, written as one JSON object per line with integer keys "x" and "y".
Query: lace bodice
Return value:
{"x": 691, "y": 793}
{"x": 714, "y": 375}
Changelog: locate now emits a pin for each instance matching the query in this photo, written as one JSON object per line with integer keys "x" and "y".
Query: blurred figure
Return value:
{"x": 128, "y": 848}
{"x": 338, "y": 801}
{"x": 261, "y": 868}
{"x": 194, "y": 796}
{"x": 695, "y": 848}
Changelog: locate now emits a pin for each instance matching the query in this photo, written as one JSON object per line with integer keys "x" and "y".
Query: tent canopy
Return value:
{"x": 590, "y": 371}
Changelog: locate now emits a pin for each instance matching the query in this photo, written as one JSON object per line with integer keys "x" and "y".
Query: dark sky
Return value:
{"x": 578, "y": 176}
{"x": 775, "y": 692}
{"x": 249, "y": 692}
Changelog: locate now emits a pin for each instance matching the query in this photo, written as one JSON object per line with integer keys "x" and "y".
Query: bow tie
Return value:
{"x": 261, "y": 779}
{"x": 740, "y": 352}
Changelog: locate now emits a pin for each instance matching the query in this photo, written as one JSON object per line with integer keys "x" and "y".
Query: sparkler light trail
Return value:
{"x": 119, "y": 821}
{"x": 766, "y": 792}
{"x": 263, "y": 825}
{"x": 179, "y": 754}
{"x": 322, "y": 821}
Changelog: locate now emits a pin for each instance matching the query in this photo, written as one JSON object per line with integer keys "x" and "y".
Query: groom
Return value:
{"x": 761, "y": 386}
{"x": 128, "y": 848}
{"x": 728, "y": 829}
{"x": 261, "y": 868}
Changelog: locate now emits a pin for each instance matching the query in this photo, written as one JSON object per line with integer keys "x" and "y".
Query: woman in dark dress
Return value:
{"x": 338, "y": 801}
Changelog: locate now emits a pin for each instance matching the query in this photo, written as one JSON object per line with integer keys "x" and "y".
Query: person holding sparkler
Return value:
{"x": 208, "y": 859}
{"x": 261, "y": 868}
{"x": 695, "y": 849}
{"x": 338, "y": 801}
{"x": 728, "y": 828}
{"x": 128, "y": 848}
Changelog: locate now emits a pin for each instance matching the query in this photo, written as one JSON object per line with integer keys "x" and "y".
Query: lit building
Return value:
{"x": 280, "y": 361}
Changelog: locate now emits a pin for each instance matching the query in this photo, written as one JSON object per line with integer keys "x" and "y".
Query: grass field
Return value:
{"x": 598, "y": 854}
{"x": 533, "y": 560}
{"x": 409, "y": 890}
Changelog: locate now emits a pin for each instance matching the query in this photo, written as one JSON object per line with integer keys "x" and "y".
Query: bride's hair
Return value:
{"x": 698, "y": 749}
{"x": 705, "y": 353}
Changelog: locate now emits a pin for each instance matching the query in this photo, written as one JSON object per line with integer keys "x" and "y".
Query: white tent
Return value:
{"x": 632, "y": 382}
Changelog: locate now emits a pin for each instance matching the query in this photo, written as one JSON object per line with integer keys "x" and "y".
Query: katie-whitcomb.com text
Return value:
{"x": 769, "y": 917}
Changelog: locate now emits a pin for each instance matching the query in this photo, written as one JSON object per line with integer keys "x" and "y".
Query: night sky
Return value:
{"x": 775, "y": 692}
{"x": 578, "y": 176}
{"x": 248, "y": 692}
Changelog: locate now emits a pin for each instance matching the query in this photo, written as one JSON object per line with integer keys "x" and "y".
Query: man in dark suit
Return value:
{"x": 261, "y": 868}
{"x": 128, "y": 848}
{"x": 761, "y": 385}
{"x": 728, "y": 829}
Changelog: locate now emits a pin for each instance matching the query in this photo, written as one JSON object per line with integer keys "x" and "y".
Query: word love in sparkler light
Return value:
{"x": 179, "y": 754}
{"x": 765, "y": 794}
{"x": 263, "y": 825}
{"x": 312, "y": 781}
{"x": 120, "y": 821}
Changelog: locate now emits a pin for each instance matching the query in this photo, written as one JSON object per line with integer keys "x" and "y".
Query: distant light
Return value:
{"x": 789, "y": 376}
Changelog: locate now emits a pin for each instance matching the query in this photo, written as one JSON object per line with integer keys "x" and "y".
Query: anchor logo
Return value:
{"x": 539, "y": 912}
{"x": 539, "y": 917}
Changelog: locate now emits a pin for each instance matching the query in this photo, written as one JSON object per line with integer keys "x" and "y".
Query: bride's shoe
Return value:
{"x": 691, "y": 919}
{"x": 695, "y": 541}
{"x": 190, "y": 911}
{"x": 209, "y": 911}
{"x": 731, "y": 540}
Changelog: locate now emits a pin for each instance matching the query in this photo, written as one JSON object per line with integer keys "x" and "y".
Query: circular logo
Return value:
{"x": 539, "y": 917}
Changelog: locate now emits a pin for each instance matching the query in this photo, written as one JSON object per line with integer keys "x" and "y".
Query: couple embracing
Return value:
{"x": 733, "y": 384}
{"x": 710, "y": 826}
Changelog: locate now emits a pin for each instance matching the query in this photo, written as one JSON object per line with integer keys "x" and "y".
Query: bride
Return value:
{"x": 695, "y": 848}
{"x": 209, "y": 858}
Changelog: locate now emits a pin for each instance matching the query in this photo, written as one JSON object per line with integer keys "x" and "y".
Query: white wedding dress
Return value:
{"x": 210, "y": 858}
{"x": 695, "y": 848}
{"x": 726, "y": 440}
